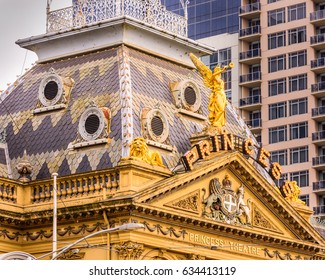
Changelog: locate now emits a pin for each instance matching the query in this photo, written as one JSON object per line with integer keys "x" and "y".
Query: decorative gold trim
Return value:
{"x": 72, "y": 254}
{"x": 194, "y": 257}
{"x": 140, "y": 151}
{"x": 217, "y": 100}
{"x": 188, "y": 203}
{"x": 170, "y": 231}
{"x": 129, "y": 250}
{"x": 261, "y": 221}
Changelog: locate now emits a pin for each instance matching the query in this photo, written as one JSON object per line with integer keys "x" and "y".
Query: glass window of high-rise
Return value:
{"x": 276, "y": 17}
{"x": 208, "y": 17}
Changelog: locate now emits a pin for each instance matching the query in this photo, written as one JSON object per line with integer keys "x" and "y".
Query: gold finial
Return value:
{"x": 139, "y": 151}
{"x": 24, "y": 169}
{"x": 217, "y": 100}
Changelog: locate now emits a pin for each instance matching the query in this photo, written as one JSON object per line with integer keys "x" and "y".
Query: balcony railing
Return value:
{"x": 320, "y": 160}
{"x": 94, "y": 11}
{"x": 319, "y": 185}
{"x": 320, "y": 62}
{"x": 254, "y": 123}
{"x": 318, "y": 87}
{"x": 317, "y": 15}
{"x": 254, "y": 7}
{"x": 319, "y": 111}
{"x": 255, "y": 76}
{"x": 319, "y": 210}
{"x": 250, "y": 54}
{"x": 253, "y": 30}
{"x": 320, "y": 38}
{"x": 250, "y": 100}
{"x": 319, "y": 135}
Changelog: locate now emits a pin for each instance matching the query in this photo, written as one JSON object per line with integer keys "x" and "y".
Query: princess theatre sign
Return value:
{"x": 230, "y": 142}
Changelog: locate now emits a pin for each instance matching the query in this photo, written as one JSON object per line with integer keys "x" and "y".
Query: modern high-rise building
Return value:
{"x": 208, "y": 18}
{"x": 279, "y": 85}
{"x": 282, "y": 66}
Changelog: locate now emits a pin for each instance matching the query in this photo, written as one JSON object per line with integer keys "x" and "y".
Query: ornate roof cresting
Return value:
{"x": 88, "y": 12}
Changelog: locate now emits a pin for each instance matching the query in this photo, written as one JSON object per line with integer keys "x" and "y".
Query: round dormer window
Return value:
{"x": 91, "y": 124}
{"x": 190, "y": 96}
{"x": 50, "y": 90}
{"x": 157, "y": 125}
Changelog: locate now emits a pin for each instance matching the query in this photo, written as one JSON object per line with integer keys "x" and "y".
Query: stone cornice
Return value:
{"x": 244, "y": 234}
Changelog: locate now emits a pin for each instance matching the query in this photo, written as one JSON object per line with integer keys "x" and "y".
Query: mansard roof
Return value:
{"x": 100, "y": 78}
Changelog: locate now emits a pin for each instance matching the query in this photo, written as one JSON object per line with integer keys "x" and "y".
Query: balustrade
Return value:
{"x": 8, "y": 192}
{"x": 91, "y": 12}
{"x": 76, "y": 186}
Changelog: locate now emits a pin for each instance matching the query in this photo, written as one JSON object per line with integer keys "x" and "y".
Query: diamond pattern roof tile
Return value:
{"x": 47, "y": 136}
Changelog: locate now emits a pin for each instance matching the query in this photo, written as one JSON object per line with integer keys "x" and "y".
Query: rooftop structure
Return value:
{"x": 89, "y": 12}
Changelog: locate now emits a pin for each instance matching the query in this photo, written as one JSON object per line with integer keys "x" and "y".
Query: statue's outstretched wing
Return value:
{"x": 205, "y": 71}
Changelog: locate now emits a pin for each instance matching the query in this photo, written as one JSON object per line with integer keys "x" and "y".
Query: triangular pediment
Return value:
{"x": 229, "y": 190}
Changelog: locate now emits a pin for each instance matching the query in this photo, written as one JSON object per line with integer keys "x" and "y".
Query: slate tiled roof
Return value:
{"x": 46, "y": 136}
{"x": 150, "y": 79}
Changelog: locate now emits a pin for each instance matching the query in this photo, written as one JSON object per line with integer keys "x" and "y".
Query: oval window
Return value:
{"x": 190, "y": 96}
{"x": 50, "y": 90}
{"x": 92, "y": 123}
{"x": 157, "y": 126}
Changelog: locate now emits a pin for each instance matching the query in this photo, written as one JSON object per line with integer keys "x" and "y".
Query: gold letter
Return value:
{"x": 262, "y": 156}
{"x": 189, "y": 158}
{"x": 227, "y": 142}
{"x": 215, "y": 143}
{"x": 248, "y": 146}
{"x": 203, "y": 148}
{"x": 275, "y": 171}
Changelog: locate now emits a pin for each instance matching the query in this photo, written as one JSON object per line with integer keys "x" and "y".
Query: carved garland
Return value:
{"x": 170, "y": 231}
{"x": 33, "y": 236}
{"x": 277, "y": 255}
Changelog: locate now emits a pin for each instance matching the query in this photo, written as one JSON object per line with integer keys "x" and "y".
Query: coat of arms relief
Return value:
{"x": 225, "y": 204}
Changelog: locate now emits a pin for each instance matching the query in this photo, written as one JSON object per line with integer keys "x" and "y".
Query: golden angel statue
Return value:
{"x": 217, "y": 100}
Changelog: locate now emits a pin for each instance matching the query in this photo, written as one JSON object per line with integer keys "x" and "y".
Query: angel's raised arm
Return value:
{"x": 205, "y": 71}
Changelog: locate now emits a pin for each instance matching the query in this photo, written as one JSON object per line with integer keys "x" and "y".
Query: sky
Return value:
{"x": 20, "y": 19}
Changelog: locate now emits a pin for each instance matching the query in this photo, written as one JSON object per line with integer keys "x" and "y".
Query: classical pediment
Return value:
{"x": 228, "y": 190}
